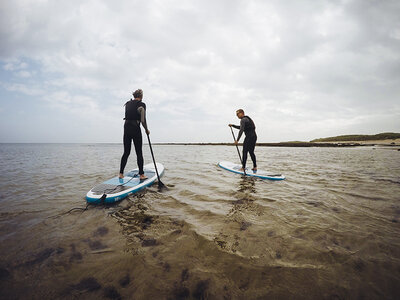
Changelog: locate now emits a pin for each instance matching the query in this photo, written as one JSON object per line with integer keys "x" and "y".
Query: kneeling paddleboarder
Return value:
{"x": 247, "y": 126}
{"x": 135, "y": 114}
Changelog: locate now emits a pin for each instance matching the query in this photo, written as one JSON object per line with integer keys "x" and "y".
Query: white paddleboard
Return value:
{"x": 235, "y": 168}
{"x": 117, "y": 189}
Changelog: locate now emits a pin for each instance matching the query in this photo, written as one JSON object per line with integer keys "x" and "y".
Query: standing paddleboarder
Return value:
{"x": 247, "y": 126}
{"x": 135, "y": 114}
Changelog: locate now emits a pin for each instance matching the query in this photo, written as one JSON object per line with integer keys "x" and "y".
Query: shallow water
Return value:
{"x": 330, "y": 230}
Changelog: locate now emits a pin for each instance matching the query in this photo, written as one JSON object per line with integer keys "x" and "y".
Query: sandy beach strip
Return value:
{"x": 388, "y": 142}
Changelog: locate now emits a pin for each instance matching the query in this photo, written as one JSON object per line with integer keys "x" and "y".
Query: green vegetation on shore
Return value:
{"x": 336, "y": 141}
{"x": 359, "y": 137}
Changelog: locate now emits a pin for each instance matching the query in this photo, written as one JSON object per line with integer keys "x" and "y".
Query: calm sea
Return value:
{"x": 331, "y": 230}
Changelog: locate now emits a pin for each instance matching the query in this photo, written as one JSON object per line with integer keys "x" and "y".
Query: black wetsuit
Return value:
{"x": 247, "y": 126}
{"x": 134, "y": 115}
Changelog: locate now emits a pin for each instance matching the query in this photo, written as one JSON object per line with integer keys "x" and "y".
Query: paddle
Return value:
{"x": 160, "y": 184}
{"x": 237, "y": 148}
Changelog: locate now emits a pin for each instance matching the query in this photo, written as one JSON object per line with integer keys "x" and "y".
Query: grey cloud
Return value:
{"x": 289, "y": 62}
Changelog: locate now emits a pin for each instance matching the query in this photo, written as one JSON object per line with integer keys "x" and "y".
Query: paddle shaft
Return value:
{"x": 237, "y": 148}
{"x": 154, "y": 161}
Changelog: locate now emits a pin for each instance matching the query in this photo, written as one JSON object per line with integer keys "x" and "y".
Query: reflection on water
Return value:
{"x": 330, "y": 230}
{"x": 247, "y": 185}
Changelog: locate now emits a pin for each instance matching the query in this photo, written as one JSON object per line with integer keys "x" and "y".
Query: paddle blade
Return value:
{"x": 161, "y": 186}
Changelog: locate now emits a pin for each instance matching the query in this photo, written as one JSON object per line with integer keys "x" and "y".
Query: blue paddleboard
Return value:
{"x": 235, "y": 168}
{"x": 117, "y": 189}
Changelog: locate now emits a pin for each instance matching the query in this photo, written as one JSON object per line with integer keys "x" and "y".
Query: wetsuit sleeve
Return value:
{"x": 142, "y": 113}
{"x": 235, "y": 126}
{"x": 242, "y": 123}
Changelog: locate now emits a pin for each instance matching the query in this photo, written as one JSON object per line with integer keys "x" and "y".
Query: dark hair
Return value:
{"x": 138, "y": 94}
{"x": 240, "y": 111}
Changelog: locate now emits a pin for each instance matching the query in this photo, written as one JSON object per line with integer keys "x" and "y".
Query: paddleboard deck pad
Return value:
{"x": 117, "y": 189}
{"x": 235, "y": 168}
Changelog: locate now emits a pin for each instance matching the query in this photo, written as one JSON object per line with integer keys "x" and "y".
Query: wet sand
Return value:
{"x": 135, "y": 253}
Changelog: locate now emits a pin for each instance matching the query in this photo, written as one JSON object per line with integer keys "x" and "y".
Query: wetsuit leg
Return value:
{"x": 127, "y": 150}
{"x": 248, "y": 147}
{"x": 251, "y": 151}
{"x": 138, "y": 142}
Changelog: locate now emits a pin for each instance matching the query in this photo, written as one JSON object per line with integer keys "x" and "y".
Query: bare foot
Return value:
{"x": 121, "y": 176}
{"x": 143, "y": 177}
{"x": 254, "y": 169}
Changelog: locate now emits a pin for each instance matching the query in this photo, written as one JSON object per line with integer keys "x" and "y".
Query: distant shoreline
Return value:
{"x": 295, "y": 144}
{"x": 383, "y": 142}
{"x": 385, "y": 137}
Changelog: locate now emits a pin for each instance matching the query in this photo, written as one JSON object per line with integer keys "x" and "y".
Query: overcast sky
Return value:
{"x": 300, "y": 69}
